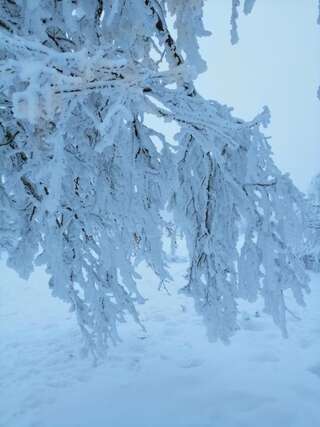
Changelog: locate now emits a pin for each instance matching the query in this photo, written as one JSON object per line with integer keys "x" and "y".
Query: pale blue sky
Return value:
{"x": 275, "y": 63}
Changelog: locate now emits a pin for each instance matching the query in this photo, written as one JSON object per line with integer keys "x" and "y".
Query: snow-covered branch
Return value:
{"x": 85, "y": 180}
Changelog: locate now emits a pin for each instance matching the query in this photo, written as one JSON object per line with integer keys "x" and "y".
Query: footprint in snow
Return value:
{"x": 315, "y": 369}
{"x": 305, "y": 343}
{"x": 193, "y": 363}
{"x": 135, "y": 364}
{"x": 138, "y": 347}
{"x": 170, "y": 332}
{"x": 250, "y": 324}
{"x": 266, "y": 357}
{"x": 157, "y": 317}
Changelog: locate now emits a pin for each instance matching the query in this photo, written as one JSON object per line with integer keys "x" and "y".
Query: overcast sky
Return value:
{"x": 275, "y": 63}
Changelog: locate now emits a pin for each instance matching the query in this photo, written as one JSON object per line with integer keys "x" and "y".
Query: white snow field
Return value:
{"x": 169, "y": 376}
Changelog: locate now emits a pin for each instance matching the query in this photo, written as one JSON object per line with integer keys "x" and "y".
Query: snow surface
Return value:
{"x": 169, "y": 376}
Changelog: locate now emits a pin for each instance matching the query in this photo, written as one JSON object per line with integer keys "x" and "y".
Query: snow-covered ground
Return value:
{"x": 169, "y": 376}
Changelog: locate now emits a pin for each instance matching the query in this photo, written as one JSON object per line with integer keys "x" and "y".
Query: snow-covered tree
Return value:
{"x": 85, "y": 178}
{"x": 312, "y": 245}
